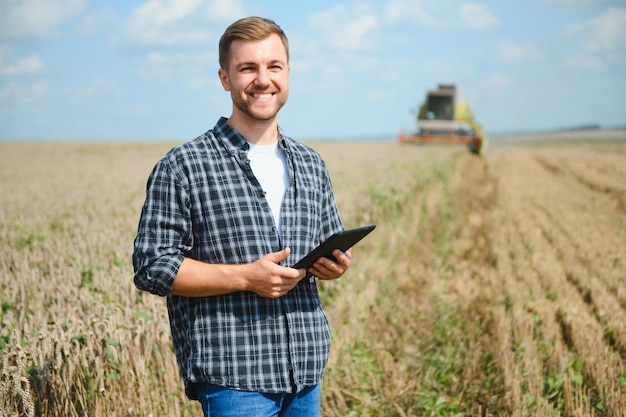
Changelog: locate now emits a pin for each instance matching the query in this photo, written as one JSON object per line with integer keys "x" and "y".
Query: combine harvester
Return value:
{"x": 446, "y": 117}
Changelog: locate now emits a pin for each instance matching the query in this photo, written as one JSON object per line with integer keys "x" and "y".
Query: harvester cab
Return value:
{"x": 446, "y": 117}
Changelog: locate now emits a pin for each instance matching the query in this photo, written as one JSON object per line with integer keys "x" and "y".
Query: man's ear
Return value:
{"x": 224, "y": 79}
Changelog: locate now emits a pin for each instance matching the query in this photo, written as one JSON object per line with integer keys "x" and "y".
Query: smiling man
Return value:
{"x": 257, "y": 76}
{"x": 226, "y": 215}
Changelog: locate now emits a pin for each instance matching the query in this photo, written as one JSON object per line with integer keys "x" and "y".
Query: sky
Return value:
{"x": 147, "y": 69}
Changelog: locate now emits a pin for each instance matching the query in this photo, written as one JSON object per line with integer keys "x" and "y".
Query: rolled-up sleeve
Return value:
{"x": 164, "y": 233}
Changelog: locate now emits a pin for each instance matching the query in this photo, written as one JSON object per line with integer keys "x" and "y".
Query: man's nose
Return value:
{"x": 263, "y": 77}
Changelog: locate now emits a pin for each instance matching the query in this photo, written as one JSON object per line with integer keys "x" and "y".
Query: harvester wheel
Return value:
{"x": 478, "y": 146}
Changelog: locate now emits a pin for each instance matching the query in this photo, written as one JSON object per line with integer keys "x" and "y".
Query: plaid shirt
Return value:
{"x": 204, "y": 202}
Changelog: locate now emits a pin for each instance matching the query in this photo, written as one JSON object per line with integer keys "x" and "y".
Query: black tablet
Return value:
{"x": 342, "y": 240}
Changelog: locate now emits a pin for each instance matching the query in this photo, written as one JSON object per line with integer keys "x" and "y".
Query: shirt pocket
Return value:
{"x": 309, "y": 199}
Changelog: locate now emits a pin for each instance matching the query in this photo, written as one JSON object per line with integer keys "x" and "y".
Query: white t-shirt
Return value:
{"x": 269, "y": 165}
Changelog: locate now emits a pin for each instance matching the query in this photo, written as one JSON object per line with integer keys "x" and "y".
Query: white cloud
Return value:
{"x": 357, "y": 33}
{"x": 441, "y": 15}
{"x": 601, "y": 40}
{"x": 99, "y": 86}
{"x": 607, "y": 31}
{"x": 580, "y": 4}
{"x": 163, "y": 12}
{"x": 397, "y": 11}
{"x": 226, "y": 11}
{"x": 509, "y": 51}
{"x": 476, "y": 17}
{"x": 585, "y": 62}
{"x": 30, "y": 64}
{"x": 9, "y": 66}
{"x": 498, "y": 80}
{"x": 157, "y": 58}
{"x": 167, "y": 66}
{"x": 179, "y": 22}
{"x": 15, "y": 92}
{"x": 36, "y": 18}
{"x": 444, "y": 71}
{"x": 346, "y": 27}
{"x": 102, "y": 22}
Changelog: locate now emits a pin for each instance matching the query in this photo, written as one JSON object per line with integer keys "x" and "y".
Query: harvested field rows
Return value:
{"x": 491, "y": 286}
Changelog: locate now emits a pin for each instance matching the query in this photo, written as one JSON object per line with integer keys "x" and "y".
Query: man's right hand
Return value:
{"x": 270, "y": 280}
{"x": 263, "y": 277}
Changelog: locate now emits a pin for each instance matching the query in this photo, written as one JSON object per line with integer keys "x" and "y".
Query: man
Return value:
{"x": 225, "y": 216}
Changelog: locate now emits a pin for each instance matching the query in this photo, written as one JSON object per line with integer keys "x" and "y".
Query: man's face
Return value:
{"x": 257, "y": 77}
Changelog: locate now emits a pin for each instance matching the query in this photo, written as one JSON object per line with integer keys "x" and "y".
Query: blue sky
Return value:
{"x": 95, "y": 69}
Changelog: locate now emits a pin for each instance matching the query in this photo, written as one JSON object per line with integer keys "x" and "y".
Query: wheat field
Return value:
{"x": 492, "y": 286}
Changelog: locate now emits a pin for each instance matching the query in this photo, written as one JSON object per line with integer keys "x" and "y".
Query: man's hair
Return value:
{"x": 252, "y": 28}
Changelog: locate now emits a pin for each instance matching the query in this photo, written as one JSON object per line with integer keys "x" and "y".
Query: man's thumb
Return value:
{"x": 278, "y": 257}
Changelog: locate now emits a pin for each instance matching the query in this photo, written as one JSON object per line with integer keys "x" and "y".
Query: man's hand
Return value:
{"x": 263, "y": 277}
{"x": 268, "y": 279}
{"x": 325, "y": 268}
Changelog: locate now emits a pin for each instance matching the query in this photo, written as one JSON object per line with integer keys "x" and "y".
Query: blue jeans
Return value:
{"x": 223, "y": 402}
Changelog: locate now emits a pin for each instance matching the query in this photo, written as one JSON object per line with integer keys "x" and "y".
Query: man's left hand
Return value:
{"x": 325, "y": 268}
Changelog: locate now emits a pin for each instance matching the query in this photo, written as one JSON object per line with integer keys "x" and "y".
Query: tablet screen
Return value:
{"x": 343, "y": 241}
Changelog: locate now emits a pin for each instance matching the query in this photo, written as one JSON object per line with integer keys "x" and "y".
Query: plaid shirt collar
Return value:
{"x": 235, "y": 142}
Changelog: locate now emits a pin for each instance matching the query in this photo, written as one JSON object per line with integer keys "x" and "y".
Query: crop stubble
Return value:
{"x": 491, "y": 286}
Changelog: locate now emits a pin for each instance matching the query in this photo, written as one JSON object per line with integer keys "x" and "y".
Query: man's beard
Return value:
{"x": 261, "y": 116}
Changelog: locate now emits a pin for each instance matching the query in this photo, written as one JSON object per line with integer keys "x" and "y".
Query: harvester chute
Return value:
{"x": 446, "y": 117}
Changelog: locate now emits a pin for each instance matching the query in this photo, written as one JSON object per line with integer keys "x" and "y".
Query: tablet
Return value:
{"x": 342, "y": 240}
